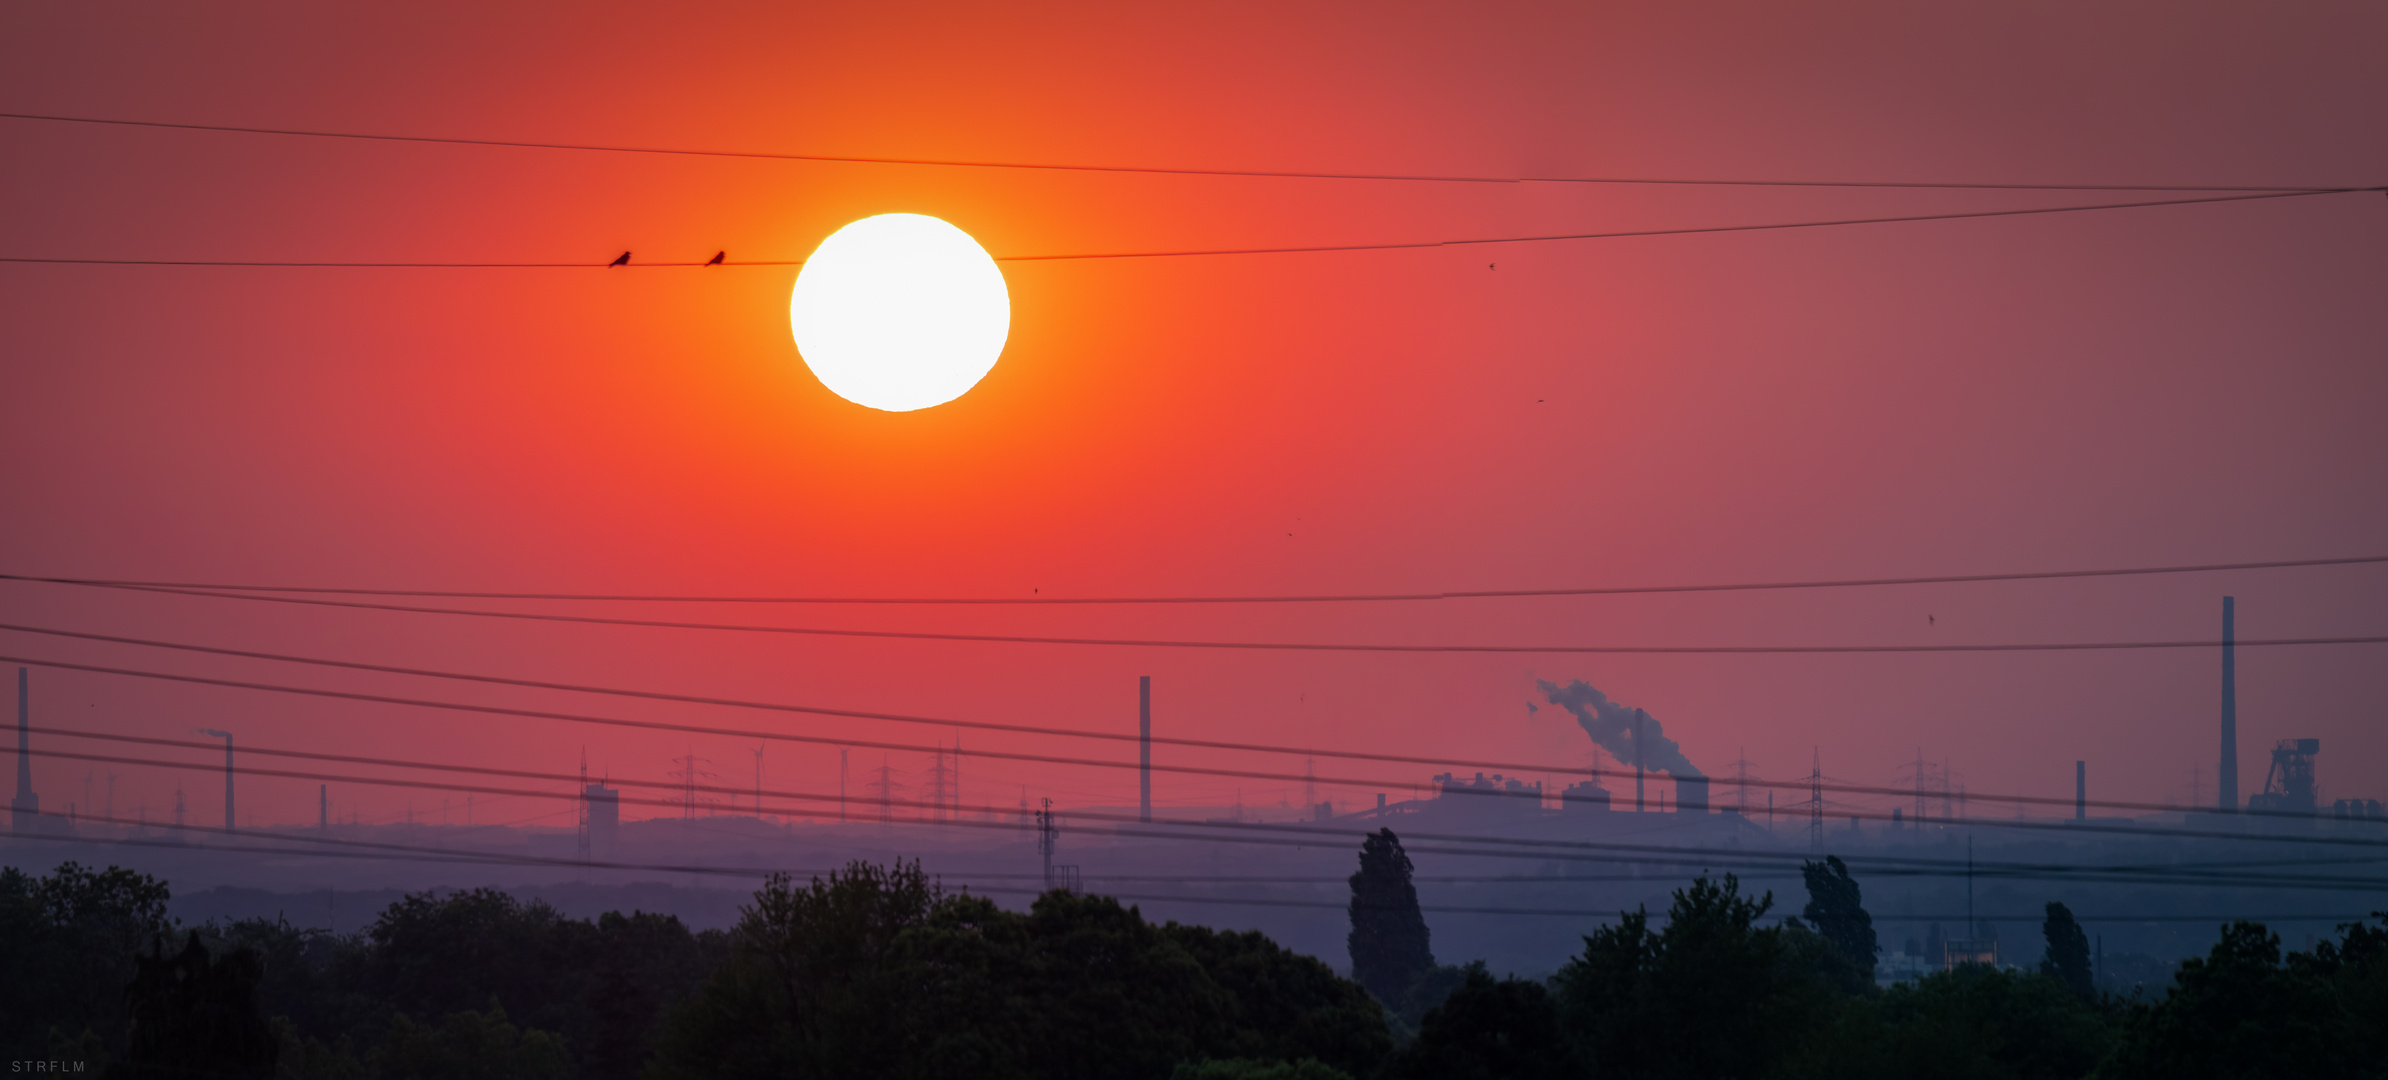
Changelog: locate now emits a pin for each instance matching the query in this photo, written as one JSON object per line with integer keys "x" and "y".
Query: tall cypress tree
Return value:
{"x": 1388, "y": 940}
{"x": 1837, "y": 911}
{"x": 2068, "y": 959}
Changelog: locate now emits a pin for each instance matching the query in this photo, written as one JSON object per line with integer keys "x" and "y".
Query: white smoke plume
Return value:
{"x": 1612, "y": 726}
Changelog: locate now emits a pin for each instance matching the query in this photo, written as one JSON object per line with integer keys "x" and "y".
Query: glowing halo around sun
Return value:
{"x": 900, "y": 312}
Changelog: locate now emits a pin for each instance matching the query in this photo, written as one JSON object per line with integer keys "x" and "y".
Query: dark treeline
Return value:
{"x": 878, "y": 972}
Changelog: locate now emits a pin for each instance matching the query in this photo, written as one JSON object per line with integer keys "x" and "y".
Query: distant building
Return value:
{"x": 1588, "y": 795}
{"x": 1958, "y": 952}
{"x": 1492, "y": 794}
{"x": 2357, "y": 810}
{"x": 2288, "y": 786}
{"x": 605, "y": 817}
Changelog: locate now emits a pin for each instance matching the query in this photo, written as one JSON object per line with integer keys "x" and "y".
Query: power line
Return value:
{"x": 1408, "y": 245}
{"x": 443, "y": 855}
{"x": 1375, "y": 783}
{"x": 1130, "y": 169}
{"x": 1755, "y": 873}
{"x": 417, "y": 853}
{"x": 1260, "y": 646}
{"x": 1475, "y": 594}
{"x": 1244, "y": 832}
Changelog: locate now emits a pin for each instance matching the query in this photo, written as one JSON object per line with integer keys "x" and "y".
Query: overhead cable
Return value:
{"x": 1181, "y": 253}
{"x": 1260, "y": 646}
{"x": 1588, "y": 771}
{"x": 1295, "y": 598}
{"x": 1236, "y": 831}
{"x": 962, "y": 163}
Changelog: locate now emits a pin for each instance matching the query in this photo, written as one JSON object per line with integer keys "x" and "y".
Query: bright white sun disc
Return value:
{"x": 900, "y": 312}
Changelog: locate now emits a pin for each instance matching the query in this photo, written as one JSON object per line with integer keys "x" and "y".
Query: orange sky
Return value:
{"x": 2140, "y": 387}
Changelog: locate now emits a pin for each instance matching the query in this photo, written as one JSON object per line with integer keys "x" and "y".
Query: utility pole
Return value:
{"x": 1144, "y": 748}
{"x": 25, "y": 810}
{"x": 1972, "y": 929}
{"x": 323, "y": 807}
{"x": 1816, "y": 799}
{"x": 1639, "y": 717}
{"x": 2226, "y": 780}
{"x": 227, "y": 737}
{"x": 581, "y": 803}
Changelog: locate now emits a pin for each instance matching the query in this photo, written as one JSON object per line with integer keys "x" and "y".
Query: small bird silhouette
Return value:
{"x": 716, "y": 259}
{"x": 624, "y": 260}
{"x": 1930, "y": 621}
{"x": 1492, "y": 266}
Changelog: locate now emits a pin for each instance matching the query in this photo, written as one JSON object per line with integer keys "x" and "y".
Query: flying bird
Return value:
{"x": 1930, "y": 621}
{"x": 716, "y": 259}
{"x": 623, "y": 260}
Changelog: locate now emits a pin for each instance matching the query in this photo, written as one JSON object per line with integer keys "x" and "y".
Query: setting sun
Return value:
{"x": 900, "y": 312}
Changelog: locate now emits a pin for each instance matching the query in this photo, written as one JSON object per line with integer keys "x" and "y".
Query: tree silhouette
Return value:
{"x": 1713, "y": 994}
{"x": 194, "y": 1015}
{"x": 1836, "y": 911}
{"x": 1506, "y": 1028}
{"x": 2068, "y": 959}
{"x": 1389, "y": 947}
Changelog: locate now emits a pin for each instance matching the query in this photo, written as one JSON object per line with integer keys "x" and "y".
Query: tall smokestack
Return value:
{"x": 1144, "y": 748}
{"x": 25, "y": 809}
{"x": 1630, "y": 735}
{"x": 323, "y": 807}
{"x": 2227, "y": 795}
{"x": 2080, "y": 791}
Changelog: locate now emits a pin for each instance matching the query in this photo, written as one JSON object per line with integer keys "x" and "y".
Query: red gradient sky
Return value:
{"x": 2136, "y": 387}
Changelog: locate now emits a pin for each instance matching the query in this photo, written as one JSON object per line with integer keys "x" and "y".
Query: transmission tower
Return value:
{"x": 1741, "y": 784}
{"x": 1048, "y": 840}
{"x": 1046, "y": 837}
{"x": 689, "y": 774}
{"x": 940, "y": 783}
{"x": 886, "y": 785}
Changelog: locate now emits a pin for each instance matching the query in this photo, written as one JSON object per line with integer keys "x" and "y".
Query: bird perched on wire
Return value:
{"x": 716, "y": 259}
{"x": 622, "y": 260}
